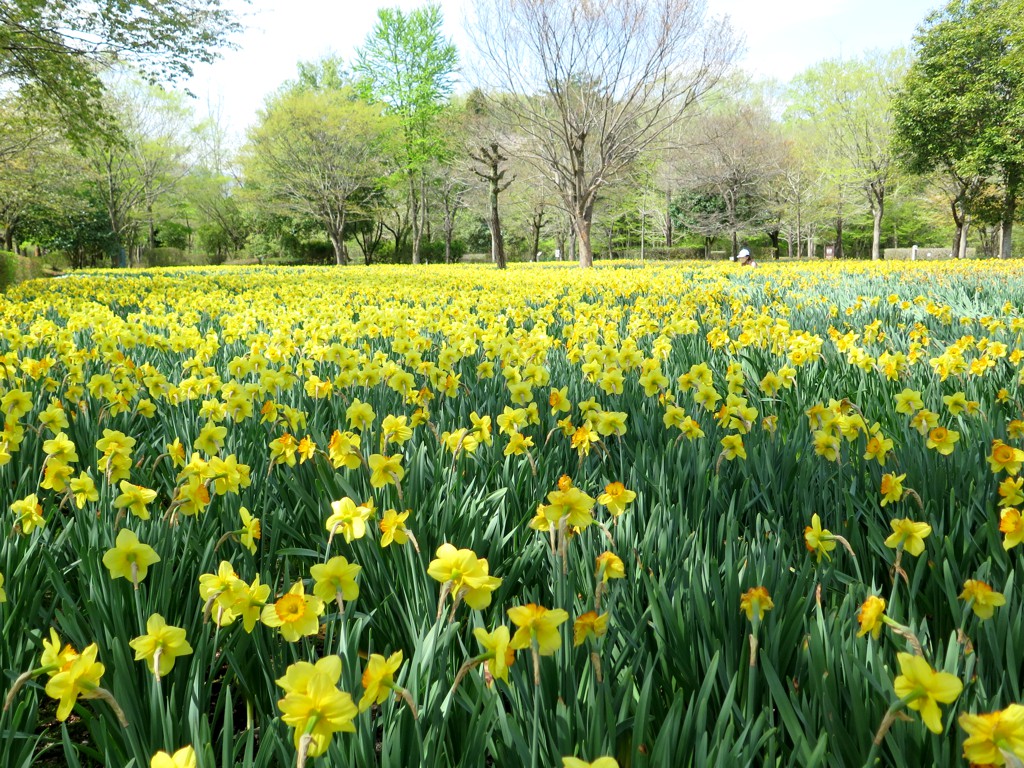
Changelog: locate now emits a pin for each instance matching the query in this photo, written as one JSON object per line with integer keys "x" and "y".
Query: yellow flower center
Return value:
{"x": 290, "y": 608}
{"x": 69, "y": 654}
{"x": 614, "y": 489}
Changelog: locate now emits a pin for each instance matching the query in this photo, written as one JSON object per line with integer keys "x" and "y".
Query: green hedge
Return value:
{"x": 16, "y": 269}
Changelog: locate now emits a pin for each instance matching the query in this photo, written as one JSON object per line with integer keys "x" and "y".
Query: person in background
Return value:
{"x": 745, "y": 259}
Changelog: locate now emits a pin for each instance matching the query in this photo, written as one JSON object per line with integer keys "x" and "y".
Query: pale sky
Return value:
{"x": 783, "y": 37}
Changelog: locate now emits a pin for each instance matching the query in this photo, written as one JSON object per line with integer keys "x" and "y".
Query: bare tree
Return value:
{"x": 732, "y": 155}
{"x": 451, "y": 191}
{"x": 596, "y": 84}
{"x": 490, "y": 161}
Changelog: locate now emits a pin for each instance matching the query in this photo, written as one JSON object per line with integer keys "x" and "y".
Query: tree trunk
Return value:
{"x": 449, "y": 228}
{"x": 586, "y": 249}
{"x": 877, "y": 209}
{"x": 497, "y": 241}
{"x": 535, "y": 225}
{"x": 962, "y": 250}
{"x": 336, "y": 234}
{"x": 643, "y": 229}
{"x": 9, "y": 238}
{"x": 735, "y": 244}
{"x": 370, "y": 240}
{"x": 1013, "y": 180}
{"x": 799, "y": 231}
{"x": 773, "y": 236}
{"x": 839, "y": 238}
{"x": 668, "y": 218}
{"x": 491, "y": 159}
{"x": 152, "y": 226}
{"x": 958, "y": 221}
{"x": 417, "y": 233}
{"x": 424, "y": 220}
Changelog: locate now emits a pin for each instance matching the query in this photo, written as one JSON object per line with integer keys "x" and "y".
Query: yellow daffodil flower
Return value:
{"x": 536, "y": 623}
{"x": 818, "y": 540}
{"x": 349, "y": 518}
{"x": 296, "y": 614}
{"x": 925, "y": 689}
{"x": 314, "y": 706}
{"x": 910, "y": 534}
{"x": 1012, "y": 525}
{"x": 336, "y": 580}
{"x": 870, "y": 616}
{"x": 129, "y": 558}
{"x": 601, "y": 762}
{"x": 379, "y": 679}
{"x": 385, "y": 470}
{"x": 942, "y": 440}
{"x": 392, "y": 527}
{"x": 756, "y": 600}
{"x": 891, "y": 488}
{"x": 79, "y": 678}
{"x": 732, "y": 447}
{"x": 615, "y": 498}
{"x": 589, "y": 624}
{"x": 983, "y": 599}
{"x": 498, "y": 654}
{"x": 1005, "y": 458}
{"x": 182, "y": 758}
{"x": 160, "y": 646}
{"x": 991, "y": 736}
{"x": 29, "y": 513}
{"x": 135, "y": 499}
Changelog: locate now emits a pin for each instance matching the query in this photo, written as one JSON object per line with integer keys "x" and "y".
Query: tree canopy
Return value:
{"x": 315, "y": 153}
{"x": 408, "y": 65}
{"x": 961, "y": 108}
{"x": 56, "y": 47}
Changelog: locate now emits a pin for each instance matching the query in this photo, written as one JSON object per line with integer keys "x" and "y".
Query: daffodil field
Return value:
{"x": 675, "y": 515}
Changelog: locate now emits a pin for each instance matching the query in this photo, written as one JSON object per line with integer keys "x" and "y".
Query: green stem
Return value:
{"x": 887, "y": 721}
{"x": 535, "y": 736}
{"x": 895, "y": 574}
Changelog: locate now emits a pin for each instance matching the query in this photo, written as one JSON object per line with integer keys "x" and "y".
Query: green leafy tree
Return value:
{"x": 313, "y": 155}
{"x": 846, "y": 106}
{"x": 55, "y": 47}
{"x": 36, "y": 164}
{"x": 134, "y": 171}
{"x": 960, "y": 109}
{"x": 77, "y": 224}
{"x": 408, "y": 66}
{"x": 209, "y": 198}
